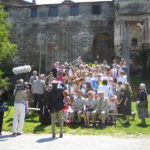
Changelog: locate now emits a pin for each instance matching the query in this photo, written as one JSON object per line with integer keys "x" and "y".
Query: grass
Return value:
{"x": 33, "y": 126}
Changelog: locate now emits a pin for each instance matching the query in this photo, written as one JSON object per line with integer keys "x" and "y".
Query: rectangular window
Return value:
{"x": 96, "y": 10}
{"x": 33, "y": 12}
{"x": 53, "y": 11}
{"x": 74, "y": 10}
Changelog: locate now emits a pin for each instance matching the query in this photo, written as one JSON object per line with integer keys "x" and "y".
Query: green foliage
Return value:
{"x": 3, "y": 81}
{"x": 6, "y": 47}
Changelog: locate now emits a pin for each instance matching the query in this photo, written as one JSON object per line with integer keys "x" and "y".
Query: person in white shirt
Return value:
{"x": 114, "y": 72}
{"x": 104, "y": 88}
{"x": 122, "y": 78}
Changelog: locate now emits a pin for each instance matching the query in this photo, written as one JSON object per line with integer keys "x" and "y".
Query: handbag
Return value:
{"x": 4, "y": 107}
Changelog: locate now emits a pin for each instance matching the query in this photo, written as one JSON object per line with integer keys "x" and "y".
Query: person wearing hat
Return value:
{"x": 19, "y": 107}
{"x": 56, "y": 105}
{"x": 102, "y": 107}
{"x": 77, "y": 106}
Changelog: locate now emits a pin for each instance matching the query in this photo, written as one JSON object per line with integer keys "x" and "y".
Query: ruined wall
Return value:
{"x": 131, "y": 30}
{"x": 45, "y": 39}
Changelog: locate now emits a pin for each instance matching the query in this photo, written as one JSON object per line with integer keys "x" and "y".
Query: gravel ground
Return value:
{"x": 71, "y": 142}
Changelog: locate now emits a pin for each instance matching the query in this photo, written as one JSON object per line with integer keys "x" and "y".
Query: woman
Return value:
{"x": 1, "y": 113}
{"x": 127, "y": 104}
{"x": 142, "y": 104}
{"x": 89, "y": 109}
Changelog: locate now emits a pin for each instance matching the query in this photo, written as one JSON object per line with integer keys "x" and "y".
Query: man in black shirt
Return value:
{"x": 56, "y": 106}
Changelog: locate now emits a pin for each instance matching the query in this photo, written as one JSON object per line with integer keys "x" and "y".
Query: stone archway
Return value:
{"x": 102, "y": 48}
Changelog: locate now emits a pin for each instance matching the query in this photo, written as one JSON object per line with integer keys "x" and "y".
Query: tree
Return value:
{"x": 7, "y": 49}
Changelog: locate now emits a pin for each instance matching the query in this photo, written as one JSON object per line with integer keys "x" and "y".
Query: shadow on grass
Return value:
{"x": 9, "y": 120}
{"x": 46, "y": 140}
{"x": 142, "y": 125}
{"x": 10, "y": 124}
{"x": 32, "y": 121}
{"x": 74, "y": 126}
{"x": 39, "y": 128}
{"x": 127, "y": 125}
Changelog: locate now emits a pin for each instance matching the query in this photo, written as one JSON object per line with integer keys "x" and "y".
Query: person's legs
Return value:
{"x": 53, "y": 119}
{"x": 103, "y": 116}
{"x": 73, "y": 114}
{"x": 88, "y": 117}
{"x": 85, "y": 118}
{"x": 79, "y": 113}
{"x": 61, "y": 122}
{"x": 1, "y": 121}
{"x": 15, "y": 118}
{"x": 35, "y": 97}
{"x": 21, "y": 118}
{"x": 39, "y": 100}
{"x": 93, "y": 113}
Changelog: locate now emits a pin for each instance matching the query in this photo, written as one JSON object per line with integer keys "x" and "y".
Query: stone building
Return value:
{"x": 94, "y": 30}
{"x": 132, "y": 31}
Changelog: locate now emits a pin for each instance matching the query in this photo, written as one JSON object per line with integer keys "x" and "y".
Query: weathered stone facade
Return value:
{"x": 121, "y": 29}
{"x": 131, "y": 31}
{"x": 45, "y": 39}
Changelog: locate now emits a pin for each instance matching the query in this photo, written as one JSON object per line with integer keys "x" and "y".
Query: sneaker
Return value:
{"x": 14, "y": 133}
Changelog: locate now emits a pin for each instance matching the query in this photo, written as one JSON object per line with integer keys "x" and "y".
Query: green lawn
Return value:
{"x": 33, "y": 126}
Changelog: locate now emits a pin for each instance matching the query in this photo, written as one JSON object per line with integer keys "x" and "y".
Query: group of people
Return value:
{"x": 78, "y": 92}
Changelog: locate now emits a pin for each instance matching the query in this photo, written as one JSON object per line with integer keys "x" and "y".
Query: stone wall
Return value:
{"x": 131, "y": 31}
{"x": 44, "y": 39}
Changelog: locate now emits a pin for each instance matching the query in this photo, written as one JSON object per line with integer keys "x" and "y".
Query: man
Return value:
{"x": 77, "y": 106}
{"x": 19, "y": 107}
{"x": 38, "y": 89}
{"x": 33, "y": 77}
{"x": 102, "y": 107}
{"x": 54, "y": 70}
{"x": 56, "y": 106}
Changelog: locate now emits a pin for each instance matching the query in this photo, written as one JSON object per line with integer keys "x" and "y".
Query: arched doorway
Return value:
{"x": 102, "y": 48}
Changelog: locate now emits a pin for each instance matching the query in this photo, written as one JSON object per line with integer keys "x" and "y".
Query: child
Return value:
{"x": 67, "y": 108}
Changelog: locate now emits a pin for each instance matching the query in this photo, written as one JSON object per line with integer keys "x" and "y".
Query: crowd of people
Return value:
{"x": 78, "y": 92}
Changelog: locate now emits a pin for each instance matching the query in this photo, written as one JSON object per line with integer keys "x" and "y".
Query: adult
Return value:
{"x": 77, "y": 106}
{"x": 56, "y": 106}
{"x": 142, "y": 104}
{"x": 33, "y": 77}
{"x": 102, "y": 107}
{"x": 38, "y": 89}
{"x": 54, "y": 70}
{"x": 127, "y": 103}
{"x": 19, "y": 107}
{"x": 1, "y": 113}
